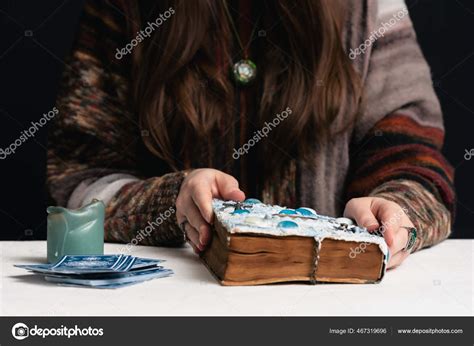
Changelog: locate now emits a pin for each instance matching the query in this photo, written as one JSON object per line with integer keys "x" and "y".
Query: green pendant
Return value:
{"x": 244, "y": 71}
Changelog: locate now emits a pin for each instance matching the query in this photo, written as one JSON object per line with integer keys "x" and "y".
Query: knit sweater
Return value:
{"x": 393, "y": 151}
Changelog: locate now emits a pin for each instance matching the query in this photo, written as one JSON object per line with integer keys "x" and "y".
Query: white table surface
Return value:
{"x": 436, "y": 281}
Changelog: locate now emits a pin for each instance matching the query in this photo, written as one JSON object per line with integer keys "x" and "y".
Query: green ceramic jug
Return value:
{"x": 75, "y": 232}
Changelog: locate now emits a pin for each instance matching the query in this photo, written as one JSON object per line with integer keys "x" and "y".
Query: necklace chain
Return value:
{"x": 236, "y": 32}
{"x": 244, "y": 70}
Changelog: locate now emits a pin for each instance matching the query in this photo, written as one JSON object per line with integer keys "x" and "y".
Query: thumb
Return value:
{"x": 228, "y": 188}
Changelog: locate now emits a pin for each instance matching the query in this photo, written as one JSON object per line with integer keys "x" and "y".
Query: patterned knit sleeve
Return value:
{"x": 401, "y": 161}
{"x": 93, "y": 141}
{"x": 396, "y": 152}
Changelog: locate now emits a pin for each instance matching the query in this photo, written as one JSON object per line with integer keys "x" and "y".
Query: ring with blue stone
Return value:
{"x": 412, "y": 235}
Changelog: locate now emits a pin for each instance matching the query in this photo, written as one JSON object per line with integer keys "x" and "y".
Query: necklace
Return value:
{"x": 243, "y": 71}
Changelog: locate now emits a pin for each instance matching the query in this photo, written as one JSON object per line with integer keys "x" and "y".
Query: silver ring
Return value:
{"x": 182, "y": 226}
{"x": 412, "y": 236}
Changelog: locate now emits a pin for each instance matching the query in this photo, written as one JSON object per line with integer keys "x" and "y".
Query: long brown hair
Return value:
{"x": 183, "y": 92}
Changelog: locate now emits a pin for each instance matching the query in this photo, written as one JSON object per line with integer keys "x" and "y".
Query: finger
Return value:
{"x": 390, "y": 215}
{"x": 196, "y": 250}
{"x": 194, "y": 217}
{"x": 397, "y": 259}
{"x": 180, "y": 217}
{"x": 228, "y": 187}
{"x": 359, "y": 210}
{"x": 193, "y": 236}
{"x": 202, "y": 197}
{"x": 400, "y": 239}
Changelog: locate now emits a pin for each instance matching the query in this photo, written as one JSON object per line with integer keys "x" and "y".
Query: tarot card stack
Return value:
{"x": 101, "y": 271}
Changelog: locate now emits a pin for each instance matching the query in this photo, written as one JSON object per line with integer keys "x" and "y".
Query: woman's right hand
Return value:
{"x": 194, "y": 202}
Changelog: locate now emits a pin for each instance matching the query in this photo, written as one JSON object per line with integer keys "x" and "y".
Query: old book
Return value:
{"x": 254, "y": 243}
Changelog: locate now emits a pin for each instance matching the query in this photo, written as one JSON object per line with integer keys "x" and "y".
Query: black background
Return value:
{"x": 35, "y": 36}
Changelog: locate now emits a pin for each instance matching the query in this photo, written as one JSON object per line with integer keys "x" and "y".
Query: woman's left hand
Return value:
{"x": 387, "y": 217}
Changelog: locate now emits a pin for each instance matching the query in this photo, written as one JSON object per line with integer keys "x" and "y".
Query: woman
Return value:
{"x": 151, "y": 119}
